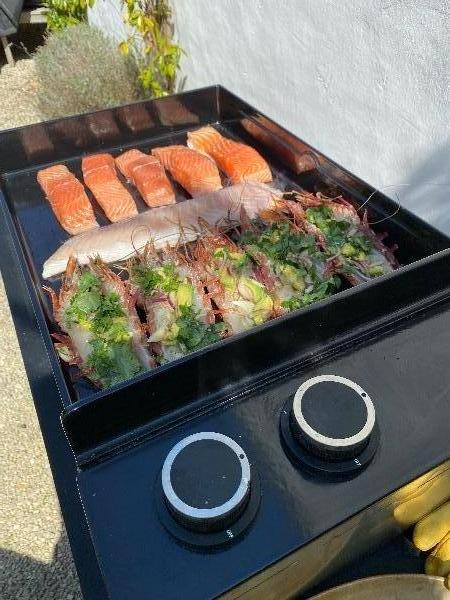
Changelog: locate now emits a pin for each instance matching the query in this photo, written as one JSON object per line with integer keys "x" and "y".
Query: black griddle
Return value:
{"x": 87, "y": 431}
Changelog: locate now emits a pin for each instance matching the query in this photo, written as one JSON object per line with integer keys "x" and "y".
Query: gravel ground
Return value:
{"x": 35, "y": 558}
{"x": 17, "y": 92}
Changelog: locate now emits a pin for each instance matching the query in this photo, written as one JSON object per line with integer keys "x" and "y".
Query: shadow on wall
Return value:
{"x": 427, "y": 191}
{"x": 29, "y": 579}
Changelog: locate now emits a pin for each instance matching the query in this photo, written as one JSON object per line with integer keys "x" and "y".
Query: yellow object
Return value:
{"x": 420, "y": 497}
{"x": 185, "y": 294}
{"x": 430, "y": 530}
{"x": 438, "y": 562}
{"x": 442, "y": 550}
{"x": 431, "y": 565}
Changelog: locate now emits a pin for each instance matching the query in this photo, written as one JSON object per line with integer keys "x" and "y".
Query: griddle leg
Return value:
{"x": 7, "y": 49}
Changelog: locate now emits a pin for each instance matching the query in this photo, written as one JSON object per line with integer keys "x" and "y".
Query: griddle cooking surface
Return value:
{"x": 41, "y": 235}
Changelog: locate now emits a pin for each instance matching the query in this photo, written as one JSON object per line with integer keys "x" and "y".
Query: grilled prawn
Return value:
{"x": 228, "y": 273}
{"x": 102, "y": 333}
{"x": 289, "y": 261}
{"x": 179, "y": 313}
{"x": 358, "y": 252}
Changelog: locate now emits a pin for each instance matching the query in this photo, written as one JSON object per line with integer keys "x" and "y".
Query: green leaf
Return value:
{"x": 124, "y": 48}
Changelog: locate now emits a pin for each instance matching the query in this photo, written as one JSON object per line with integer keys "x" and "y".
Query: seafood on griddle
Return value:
{"x": 359, "y": 253}
{"x": 180, "y": 318}
{"x": 240, "y": 162}
{"x": 100, "y": 176}
{"x": 228, "y": 274}
{"x": 147, "y": 174}
{"x": 67, "y": 198}
{"x": 101, "y": 331}
{"x": 119, "y": 241}
{"x": 290, "y": 262}
{"x": 194, "y": 171}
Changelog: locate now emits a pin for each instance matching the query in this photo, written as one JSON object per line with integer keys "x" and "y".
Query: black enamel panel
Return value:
{"x": 403, "y": 373}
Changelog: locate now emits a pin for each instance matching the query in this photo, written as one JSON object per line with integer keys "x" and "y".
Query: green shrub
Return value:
{"x": 62, "y": 13}
{"x": 150, "y": 40}
{"x": 79, "y": 69}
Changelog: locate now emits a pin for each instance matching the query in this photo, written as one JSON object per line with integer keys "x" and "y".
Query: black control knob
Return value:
{"x": 206, "y": 481}
{"x": 332, "y": 417}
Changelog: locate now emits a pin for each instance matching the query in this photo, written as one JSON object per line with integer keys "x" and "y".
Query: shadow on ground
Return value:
{"x": 24, "y": 42}
{"x": 24, "y": 578}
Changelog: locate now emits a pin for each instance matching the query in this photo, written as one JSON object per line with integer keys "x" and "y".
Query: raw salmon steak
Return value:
{"x": 197, "y": 173}
{"x": 239, "y": 161}
{"x": 147, "y": 174}
{"x": 67, "y": 198}
{"x": 100, "y": 176}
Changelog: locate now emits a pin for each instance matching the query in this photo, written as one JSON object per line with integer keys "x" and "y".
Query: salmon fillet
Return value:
{"x": 147, "y": 174}
{"x": 67, "y": 198}
{"x": 239, "y": 161}
{"x": 197, "y": 173}
{"x": 100, "y": 176}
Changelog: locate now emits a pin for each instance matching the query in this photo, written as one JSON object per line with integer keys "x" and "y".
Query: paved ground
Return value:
{"x": 35, "y": 558}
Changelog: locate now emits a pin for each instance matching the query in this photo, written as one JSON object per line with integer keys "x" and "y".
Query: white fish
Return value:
{"x": 166, "y": 225}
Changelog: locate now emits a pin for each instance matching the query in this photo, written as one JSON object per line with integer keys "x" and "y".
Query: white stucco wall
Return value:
{"x": 367, "y": 82}
{"x": 107, "y": 15}
{"x": 364, "y": 81}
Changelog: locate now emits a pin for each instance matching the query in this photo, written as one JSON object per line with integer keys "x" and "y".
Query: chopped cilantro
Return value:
{"x": 292, "y": 304}
{"x": 86, "y": 299}
{"x": 93, "y": 308}
{"x": 101, "y": 312}
{"x": 338, "y": 235}
{"x": 236, "y": 259}
{"x": 112, "y": 363}
{"x": 89, "y": 281}
{"x": 319, "y": 292}
{"x": 278, "y": 242}
{"x": 187, "y": 331}
{"x": 193, "y": 334}
{"x": 149, "y": 279}
{"x": 294, "y": 257}
{"x": 361, "y": 242}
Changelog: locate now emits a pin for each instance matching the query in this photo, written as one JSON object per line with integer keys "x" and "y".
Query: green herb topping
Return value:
{"x": 162, "y": 278}
{"x": 355, "y": 246}
{"x": 294, "y": 258}
{"x": 279, "y": 243}
{"x": 112, "y": 363}
{"x": 101, "y": 313}
{"x": 237, "y": 260}
{"x": 187, "y": 331}
{"x": 193, "y": 334}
